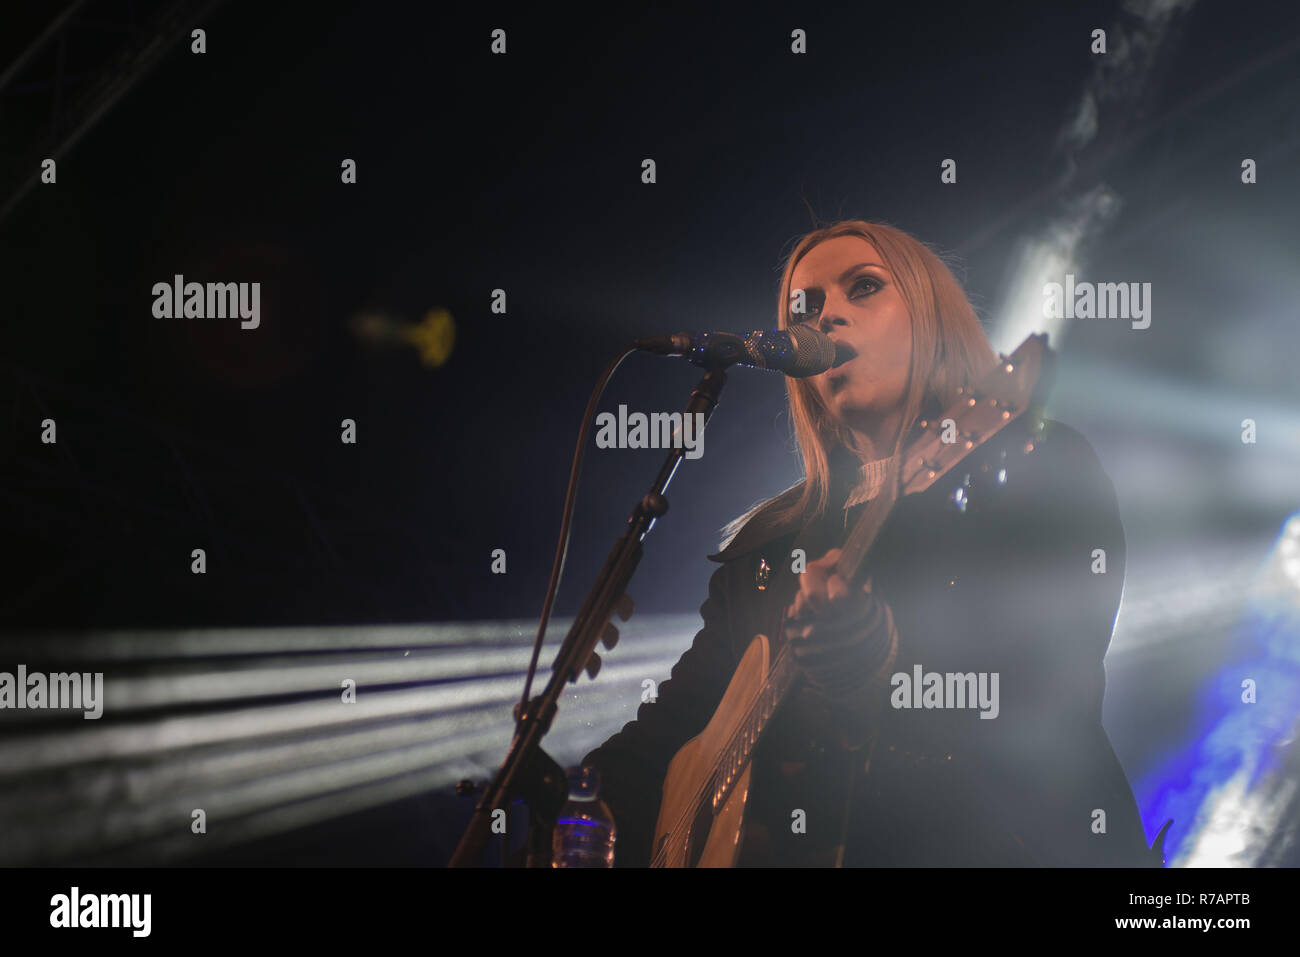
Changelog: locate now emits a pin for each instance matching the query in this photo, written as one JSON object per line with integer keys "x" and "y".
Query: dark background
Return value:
{"x": 523, "y": 172}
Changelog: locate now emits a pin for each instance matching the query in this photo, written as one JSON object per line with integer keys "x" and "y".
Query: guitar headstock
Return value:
{"x": 1001, "y": 396}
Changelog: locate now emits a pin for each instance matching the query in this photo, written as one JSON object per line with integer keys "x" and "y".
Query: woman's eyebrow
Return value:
{"x": 844, "y": 276}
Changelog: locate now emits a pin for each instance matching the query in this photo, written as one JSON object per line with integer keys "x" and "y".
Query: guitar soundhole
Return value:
{"x": 699, "y": 834}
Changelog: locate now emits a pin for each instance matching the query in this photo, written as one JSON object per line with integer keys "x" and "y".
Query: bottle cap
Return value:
{"x": 584, "y": 782}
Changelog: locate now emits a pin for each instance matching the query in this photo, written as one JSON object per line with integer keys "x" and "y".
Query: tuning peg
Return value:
{"x": 593, "y": 665}
{"x": 609, "y": 637}
{"x": 623, "y": 605}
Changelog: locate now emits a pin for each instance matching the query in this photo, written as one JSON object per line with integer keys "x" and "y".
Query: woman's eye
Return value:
{"x": 862, "y": 286}
{"x": 810, "y": 312}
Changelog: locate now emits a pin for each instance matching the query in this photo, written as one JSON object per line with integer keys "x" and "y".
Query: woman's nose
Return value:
{"x": 829, "y": 320}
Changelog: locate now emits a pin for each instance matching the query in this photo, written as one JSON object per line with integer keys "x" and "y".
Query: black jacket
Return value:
{"x": 1002, "y": 577}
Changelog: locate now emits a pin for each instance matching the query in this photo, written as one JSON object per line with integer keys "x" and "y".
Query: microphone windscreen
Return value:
{"x": 813, "y": 353}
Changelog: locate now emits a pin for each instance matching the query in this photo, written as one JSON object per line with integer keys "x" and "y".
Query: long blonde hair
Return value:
{"x": 949, "y": 351}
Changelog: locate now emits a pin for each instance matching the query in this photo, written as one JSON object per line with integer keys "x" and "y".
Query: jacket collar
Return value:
{"x": 760, "y": 530}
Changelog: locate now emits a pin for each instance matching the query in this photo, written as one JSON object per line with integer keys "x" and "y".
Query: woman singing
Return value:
{"x": 1008, "y": 571}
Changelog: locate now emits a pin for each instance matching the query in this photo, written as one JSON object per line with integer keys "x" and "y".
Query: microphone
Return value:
{"x": 799, "y": 352}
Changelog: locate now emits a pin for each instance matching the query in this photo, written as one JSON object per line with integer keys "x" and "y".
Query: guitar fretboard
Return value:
{"x": 733, "y": 758}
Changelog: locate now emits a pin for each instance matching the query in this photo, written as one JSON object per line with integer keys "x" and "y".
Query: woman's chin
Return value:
{"x": 860, "y": 416}
{"x": 850, "y": 409}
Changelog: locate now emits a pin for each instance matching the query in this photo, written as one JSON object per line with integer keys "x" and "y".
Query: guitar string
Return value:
{"x": 779, "y": 669}
{"x": 710, "y": 782}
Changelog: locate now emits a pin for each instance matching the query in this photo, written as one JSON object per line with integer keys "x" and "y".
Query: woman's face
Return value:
{"x": 852, "y": 297}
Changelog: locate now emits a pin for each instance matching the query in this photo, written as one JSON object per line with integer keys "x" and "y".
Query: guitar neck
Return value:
{"x": 733, "y": 758}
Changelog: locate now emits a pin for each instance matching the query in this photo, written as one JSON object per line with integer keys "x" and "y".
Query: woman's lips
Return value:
{"x": 844, "y": 354}
{"x": 838, "y": 375}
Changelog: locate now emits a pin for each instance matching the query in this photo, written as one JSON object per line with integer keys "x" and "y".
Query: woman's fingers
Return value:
{"x": 819, "y": 585}
{"x": 829, "y": 597}
{"x": 837, "y": 589}
{"x": 846, "y": 629}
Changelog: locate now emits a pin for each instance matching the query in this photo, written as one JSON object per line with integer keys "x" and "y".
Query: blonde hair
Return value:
{"x": 949, "y": 351}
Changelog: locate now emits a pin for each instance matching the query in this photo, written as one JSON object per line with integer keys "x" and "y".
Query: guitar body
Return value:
{"x": 688, "y": 832}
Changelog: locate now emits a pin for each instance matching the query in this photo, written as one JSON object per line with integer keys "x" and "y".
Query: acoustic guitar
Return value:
{"x": 706, "y": 793}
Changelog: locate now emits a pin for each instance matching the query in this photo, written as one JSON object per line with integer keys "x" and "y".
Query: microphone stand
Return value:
{"x": 528, "y": 772}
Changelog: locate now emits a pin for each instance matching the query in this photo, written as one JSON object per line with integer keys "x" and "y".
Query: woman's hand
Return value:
{"x": 841, "y": 637}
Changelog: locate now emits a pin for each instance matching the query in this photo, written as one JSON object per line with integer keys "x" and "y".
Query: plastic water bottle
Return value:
{"x": 584, "y": 833}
